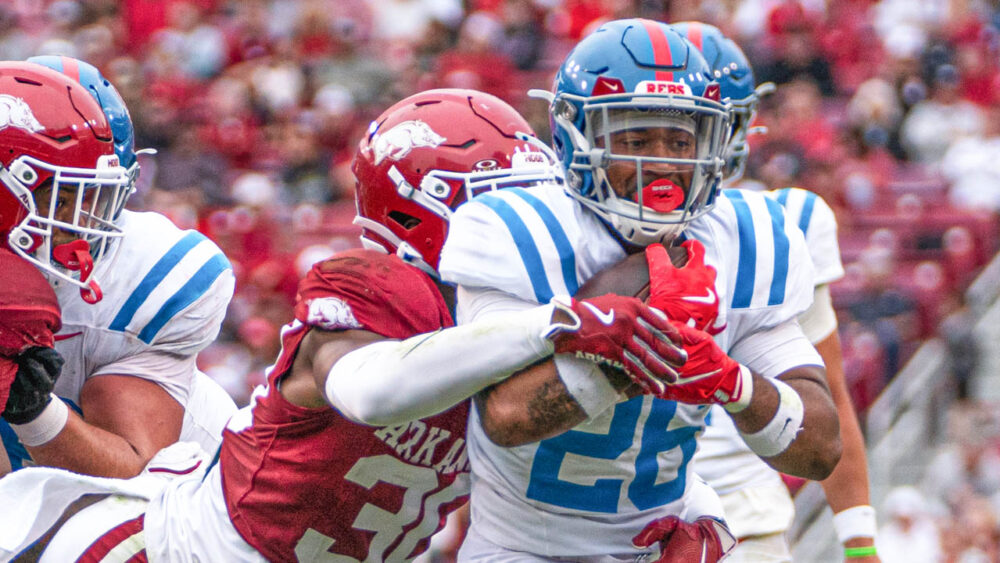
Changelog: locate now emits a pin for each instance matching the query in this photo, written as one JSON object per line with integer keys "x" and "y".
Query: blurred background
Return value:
{"x": 889, "y": 109}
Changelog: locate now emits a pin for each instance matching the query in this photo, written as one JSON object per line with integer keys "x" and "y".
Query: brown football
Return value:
{"x": 627, "y": 277}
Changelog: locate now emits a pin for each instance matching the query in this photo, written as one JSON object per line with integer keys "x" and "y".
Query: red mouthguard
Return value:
{"x": 662, "y": 196}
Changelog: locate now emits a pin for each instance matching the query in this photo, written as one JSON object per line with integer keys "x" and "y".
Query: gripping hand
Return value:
{"x": 706, "y": 539}
{"x": 686, "y": 294}
{"x": 621, "y": 332}
{"x": 709, "y": 375}
{"x": 38, "y": 368}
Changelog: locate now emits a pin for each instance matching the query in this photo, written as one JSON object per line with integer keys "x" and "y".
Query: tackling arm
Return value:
{"x": 384, "y": 382}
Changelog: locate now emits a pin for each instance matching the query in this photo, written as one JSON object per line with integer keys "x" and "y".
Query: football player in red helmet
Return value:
{"x": 54, "y": 216}
{"x": 61, "y": 177}
{"x": 373, "y": 477}
{"x": 129, "y": 344}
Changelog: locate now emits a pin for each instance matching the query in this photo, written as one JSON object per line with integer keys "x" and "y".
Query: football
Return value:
{"x": 630, "y": 276}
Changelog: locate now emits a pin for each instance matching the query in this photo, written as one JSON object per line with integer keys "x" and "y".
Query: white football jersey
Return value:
{"x": 723, "y": 458}
{"x": 165, "y": 295}
{"x": 588, "y": 491}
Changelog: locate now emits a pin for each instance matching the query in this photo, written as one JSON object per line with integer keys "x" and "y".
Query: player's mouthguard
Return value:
{"x": 662, "y": 195}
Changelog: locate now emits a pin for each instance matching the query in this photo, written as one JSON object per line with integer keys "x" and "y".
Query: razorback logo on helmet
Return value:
{"x": 662, "y": 87}
{"x": 331, "y": 313}
{"x": 404, "y": 137}
{"x": 15, "y": 112}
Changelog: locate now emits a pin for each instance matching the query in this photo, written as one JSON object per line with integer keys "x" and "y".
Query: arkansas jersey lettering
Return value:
{"x": 416, "y": 443}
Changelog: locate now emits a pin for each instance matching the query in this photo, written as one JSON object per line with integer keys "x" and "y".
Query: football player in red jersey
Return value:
{"x": 373, "y": 477}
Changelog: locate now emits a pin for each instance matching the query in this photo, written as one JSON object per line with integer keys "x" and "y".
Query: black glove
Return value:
{"x": 37, "y": 370}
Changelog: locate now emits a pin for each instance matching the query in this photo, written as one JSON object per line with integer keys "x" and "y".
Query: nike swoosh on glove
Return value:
{"x": 709, "y": 375}
{"x": 706, "y": 540}
{"x": 686, "y": 294}
{"x": 621, "y": 332}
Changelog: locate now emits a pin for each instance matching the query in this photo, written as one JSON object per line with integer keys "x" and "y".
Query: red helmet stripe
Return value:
{"x": 70, "y": 68}
{"x": 661, "y": 49}
{"x": 694, "y": 34}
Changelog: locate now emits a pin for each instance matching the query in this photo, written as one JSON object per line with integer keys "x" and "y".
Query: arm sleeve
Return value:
{"x": 391, "y": 382}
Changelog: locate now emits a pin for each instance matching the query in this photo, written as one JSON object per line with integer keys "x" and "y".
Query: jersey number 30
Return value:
{"x": 388, "y": 526}
{"x": 603, "y": 496}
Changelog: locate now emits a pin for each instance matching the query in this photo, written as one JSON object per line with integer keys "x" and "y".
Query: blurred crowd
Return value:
{"x": 889, "y": 109}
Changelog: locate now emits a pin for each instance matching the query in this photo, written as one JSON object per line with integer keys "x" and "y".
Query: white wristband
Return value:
{"x": 744, "y": 391}
{"x": 855, "y": 522}
{"x": 46, "y": 426}
{"x": 781, "y": 431}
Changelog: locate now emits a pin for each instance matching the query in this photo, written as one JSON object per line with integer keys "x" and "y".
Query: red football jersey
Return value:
{"x": 303, "y": 484}
{"x": 29, "y": 314}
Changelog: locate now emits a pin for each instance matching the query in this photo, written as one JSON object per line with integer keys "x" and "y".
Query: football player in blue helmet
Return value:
{"x": 640, "y": 127}
{"x": 638, "y": 123}
{"x": 761, "y": 525}
{"x": 732, "y": 70}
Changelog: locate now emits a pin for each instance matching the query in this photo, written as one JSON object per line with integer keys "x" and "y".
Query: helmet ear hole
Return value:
{"x": 404, "y": 220}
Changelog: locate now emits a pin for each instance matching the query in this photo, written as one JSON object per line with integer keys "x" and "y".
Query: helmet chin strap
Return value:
{"x": 75, "y": 256}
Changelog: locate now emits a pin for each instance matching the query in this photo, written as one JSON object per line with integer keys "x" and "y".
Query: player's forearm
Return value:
{"x": 535, "y": 404}
{"x": 847, "y": 486}
{"x": 814, "y": 450}
{"x": 90, "y": 450}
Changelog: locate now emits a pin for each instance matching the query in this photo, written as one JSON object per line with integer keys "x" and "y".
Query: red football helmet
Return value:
{"x": 432, "y": 152}
{"x": 60, "y": 180}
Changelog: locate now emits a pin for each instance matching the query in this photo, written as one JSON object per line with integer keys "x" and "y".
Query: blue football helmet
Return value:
{"x": 731, "y": 68}
{"x": 638, "y": 76}
{"x": 114, "y": 109}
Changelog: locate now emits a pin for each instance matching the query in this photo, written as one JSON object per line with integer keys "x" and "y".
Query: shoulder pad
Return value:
{"x": 818, "y": 223}
{"x": 366, "y": 289}
{"x": 517, "y": 240}
{"x": 769, "y": 256}
{"x": 168, "y": 284}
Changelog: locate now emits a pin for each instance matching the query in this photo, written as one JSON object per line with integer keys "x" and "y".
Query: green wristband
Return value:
{"x": 860, "y": 551}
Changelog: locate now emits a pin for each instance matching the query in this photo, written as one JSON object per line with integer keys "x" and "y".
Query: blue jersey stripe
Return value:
{"x": 781, "y": 244}
{"x": 567, "y": 256}
{"x": 746, "y": 270}
{"x": 186, "y": 295}
{"x": 807, "y": 211}
{"x": 153, "y": 278}
{"x": 783, "y": 196}
{"x": 525, "y": 246}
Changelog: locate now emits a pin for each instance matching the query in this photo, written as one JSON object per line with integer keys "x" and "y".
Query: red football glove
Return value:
{"x": 706, "y": 539}
{"x": 686, "y": 294}
{"x": 709, "y": 376}
{"x": 624, "y": 333}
